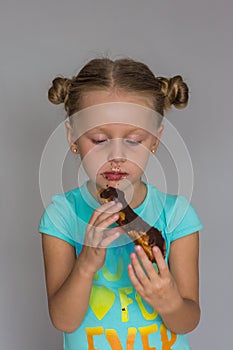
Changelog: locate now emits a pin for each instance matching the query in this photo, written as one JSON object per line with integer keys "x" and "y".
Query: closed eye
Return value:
{"x": 132, "y": 142}
{"x": 128, "y": 141}
{"x": 97, "y": 142}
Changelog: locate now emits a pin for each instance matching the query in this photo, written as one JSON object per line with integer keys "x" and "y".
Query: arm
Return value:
{"x": 184, "y": 267}
{"x": 174, "y": 294}
{"x": 67, "y": 297}
{"x": 69, "y": 280}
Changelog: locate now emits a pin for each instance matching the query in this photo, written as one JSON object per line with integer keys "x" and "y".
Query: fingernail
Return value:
{"x": 155, "y": 249}
{"x": 119, "y": 205}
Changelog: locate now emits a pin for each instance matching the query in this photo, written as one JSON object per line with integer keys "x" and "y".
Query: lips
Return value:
{"x": 114, "y": 176}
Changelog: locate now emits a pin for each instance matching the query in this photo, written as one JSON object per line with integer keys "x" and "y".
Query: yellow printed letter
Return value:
{"x": 145, "y": 331}
{"x": 144, "y": 312}
{"x": 90, "y": 332}
{"x": 167, "y": 344}
{"x": 131, "y": 338}
{"x": 114, "y": 340}
{"x": 125, "y": 301}
{"x": 112, "y": 277}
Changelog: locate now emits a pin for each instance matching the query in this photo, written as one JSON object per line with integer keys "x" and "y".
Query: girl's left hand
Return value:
{"x": 156, "y": 287}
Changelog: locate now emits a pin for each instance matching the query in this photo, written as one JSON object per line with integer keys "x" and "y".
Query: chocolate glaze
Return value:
{"x": 133, "y": 222}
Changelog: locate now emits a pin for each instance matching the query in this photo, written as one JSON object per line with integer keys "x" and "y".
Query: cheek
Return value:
{"x": 93, "y": 161}
{"x": 139, "y": 159}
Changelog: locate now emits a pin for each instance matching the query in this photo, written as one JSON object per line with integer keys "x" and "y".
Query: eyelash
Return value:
{"x": 97, "y": 142}
{"x": 130, "y": 142}
{"x": 133, "y": 143}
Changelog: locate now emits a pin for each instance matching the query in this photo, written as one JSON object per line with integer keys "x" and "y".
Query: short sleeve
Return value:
{"x": 58, "y": 219}
{"x": 183, "y": 219}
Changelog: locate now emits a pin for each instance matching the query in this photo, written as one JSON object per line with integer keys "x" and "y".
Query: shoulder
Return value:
{"x": 178, "y": 214}
{"x": 64, "y": 201}
{"x": 59, "y": 217}
{"x": 169, "y": 202}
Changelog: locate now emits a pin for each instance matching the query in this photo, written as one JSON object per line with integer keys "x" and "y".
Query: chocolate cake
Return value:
{"x": 140, "y": 232}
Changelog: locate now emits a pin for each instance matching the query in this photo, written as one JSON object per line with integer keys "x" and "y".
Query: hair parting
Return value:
{"x": 122, "y": 74}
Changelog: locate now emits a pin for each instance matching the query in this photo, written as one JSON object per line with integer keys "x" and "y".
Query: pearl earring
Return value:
{"x": 75, "y": 150}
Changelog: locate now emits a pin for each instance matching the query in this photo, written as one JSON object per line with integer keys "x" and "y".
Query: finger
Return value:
{"x": 103, "y": 213}
{"x": 161, "y": 263}
{"x": 103, "y": 222}
{"x": 98, "y": 232}
{"x": 101, "y": 219}
{"x": 134, "y": 280}
{"x": 150, "y": 270}
{"x": 112, "y": 231}
{"x": 99, "y": 210}
{"x": 98, "y": 217}
{"x": 141, "y": 275}
{"x": 108, "y": 240}
{"x": 108, "y": 207}
{"x": 89, "y": 236}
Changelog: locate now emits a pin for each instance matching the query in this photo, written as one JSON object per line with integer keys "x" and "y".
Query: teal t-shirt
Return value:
{"x": 117, "y": 317}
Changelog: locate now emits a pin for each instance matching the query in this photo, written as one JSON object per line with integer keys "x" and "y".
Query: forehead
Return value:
{"x": 96, "y": 97}
{"x": 126, "y": 115}
{"x": 112, "y": 128}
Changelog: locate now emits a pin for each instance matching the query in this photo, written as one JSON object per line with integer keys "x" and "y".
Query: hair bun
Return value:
{"x": 176, "y": 92}
{"x": 58, "y": 93}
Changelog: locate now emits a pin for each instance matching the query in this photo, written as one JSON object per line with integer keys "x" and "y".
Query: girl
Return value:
{"x": 103, "y": 291}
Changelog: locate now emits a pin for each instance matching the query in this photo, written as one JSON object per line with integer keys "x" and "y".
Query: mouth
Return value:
{"x": 114, "y": 176}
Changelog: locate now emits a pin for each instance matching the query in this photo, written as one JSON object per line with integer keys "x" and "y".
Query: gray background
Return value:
{"x": 40, "y": 39}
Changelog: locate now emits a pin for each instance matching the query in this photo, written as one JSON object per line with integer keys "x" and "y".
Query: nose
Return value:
{"x": 117, "y": 151}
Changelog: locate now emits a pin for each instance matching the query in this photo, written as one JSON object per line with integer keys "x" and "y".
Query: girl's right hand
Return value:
{"x": 98, "y": 238}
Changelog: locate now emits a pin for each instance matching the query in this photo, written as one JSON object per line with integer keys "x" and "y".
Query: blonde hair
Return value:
{"x": 124, "y": 74}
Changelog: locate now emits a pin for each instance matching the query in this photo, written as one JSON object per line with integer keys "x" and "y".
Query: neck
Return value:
{"x": 139, "y": 195}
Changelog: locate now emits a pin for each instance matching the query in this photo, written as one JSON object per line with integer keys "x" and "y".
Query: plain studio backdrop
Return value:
{"x": 41, "y": 39}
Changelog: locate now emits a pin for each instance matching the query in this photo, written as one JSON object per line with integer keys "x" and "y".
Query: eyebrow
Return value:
{"x": 102, "y": 129}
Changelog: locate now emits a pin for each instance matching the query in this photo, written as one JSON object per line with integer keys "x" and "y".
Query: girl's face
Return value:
{"x": 115, "y": 154}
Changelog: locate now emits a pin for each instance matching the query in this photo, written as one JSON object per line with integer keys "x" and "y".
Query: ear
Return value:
{"x": 69, "y": 134}
{"x": 157, "y": 139}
